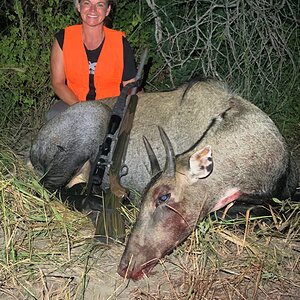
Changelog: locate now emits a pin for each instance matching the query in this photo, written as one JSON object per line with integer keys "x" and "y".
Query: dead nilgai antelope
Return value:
{"x": 220, "y": 148}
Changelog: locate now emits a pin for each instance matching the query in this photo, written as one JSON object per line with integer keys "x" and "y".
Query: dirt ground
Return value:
{"x": 221, "y": 267}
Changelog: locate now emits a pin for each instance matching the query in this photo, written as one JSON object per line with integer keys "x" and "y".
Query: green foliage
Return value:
{"x": 251, "y": 45}
{"x": 129, "y": 16}
{"x": 24, "y": 57}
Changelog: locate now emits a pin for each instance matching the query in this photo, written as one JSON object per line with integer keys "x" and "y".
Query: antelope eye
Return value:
{"x": 163, "y": 198}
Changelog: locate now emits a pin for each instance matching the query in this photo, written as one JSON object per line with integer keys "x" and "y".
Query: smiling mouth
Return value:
{"x": 92, "y": 16}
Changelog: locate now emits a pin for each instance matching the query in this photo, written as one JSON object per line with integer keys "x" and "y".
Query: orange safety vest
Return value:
{"x": 109, "y": 69}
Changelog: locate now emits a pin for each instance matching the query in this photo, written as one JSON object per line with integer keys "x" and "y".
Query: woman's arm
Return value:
{"x": 58, "y": 77}
{"x": 128, "y": 81}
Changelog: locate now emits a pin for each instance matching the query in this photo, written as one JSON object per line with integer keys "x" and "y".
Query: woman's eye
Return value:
{"x": 163, "y": 198}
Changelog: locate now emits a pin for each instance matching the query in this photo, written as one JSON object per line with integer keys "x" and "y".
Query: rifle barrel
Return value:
{"x": 140, "y": 70}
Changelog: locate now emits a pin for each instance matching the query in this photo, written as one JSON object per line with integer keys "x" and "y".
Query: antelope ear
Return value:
{"x": 201, "y": 163}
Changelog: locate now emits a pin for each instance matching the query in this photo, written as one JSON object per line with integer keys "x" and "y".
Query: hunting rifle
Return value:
{"x": 109, "y": 222}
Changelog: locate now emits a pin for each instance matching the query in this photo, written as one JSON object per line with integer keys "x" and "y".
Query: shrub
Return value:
{"x": 251, "y": 45}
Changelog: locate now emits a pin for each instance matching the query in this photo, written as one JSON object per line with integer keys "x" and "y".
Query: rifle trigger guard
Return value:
{"x": 123, "y": 171}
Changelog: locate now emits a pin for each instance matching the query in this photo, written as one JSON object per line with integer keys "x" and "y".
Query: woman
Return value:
{"x": 90, "y": 61}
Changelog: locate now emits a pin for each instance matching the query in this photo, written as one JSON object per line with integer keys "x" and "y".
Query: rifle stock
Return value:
{"x": 121, "y": 148}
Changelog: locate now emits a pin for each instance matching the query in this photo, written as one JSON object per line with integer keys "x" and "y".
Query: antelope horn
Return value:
{"x": 155, "y": 168}
{"x": 170, "y": 166}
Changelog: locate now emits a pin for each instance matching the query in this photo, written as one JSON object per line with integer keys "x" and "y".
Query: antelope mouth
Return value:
{"x": 137, "y": 273}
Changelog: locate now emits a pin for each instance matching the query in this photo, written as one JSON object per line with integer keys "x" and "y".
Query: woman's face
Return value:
{"x": 93, "y": 12}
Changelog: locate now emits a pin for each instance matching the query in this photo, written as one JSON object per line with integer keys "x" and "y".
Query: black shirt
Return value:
{"x": 129, "y": 70}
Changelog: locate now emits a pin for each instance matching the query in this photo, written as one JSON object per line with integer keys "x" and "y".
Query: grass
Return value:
{"x": 47, "y": 252}
{"x": 36, "y": 230}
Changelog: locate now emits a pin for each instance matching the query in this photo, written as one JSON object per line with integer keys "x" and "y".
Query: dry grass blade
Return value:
{"x": 229, "y": 236}
{"x": 36, "y": 230}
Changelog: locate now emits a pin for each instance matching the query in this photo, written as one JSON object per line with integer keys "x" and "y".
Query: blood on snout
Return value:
{"x": 174, "y": 223}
